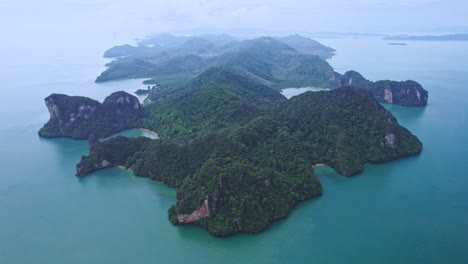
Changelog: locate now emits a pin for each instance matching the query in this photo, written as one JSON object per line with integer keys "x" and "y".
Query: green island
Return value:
{"x": 78, "y": 117}
{"x": 277, "y": 62}
{"x": 239, "y": 154}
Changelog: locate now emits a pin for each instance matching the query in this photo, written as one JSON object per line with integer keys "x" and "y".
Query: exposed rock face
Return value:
{"x": 65, "y": 112}
{"x": 122, "y": 100}
{"x": 85, "y": 166}
{"x": 79, "y": 117}
{"x": 407, "y": 93}
{"x": 391, "y": 140}
{"x": 388, "y": 96}
{"x": 201, "y": 212}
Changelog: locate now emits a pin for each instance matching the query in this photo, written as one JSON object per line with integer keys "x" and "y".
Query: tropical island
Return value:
{"x": 277, "y": 62}
{"x": 240, "y": 154}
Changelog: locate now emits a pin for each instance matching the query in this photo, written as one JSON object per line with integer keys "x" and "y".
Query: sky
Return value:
{"x": 61, "y": 22}
{"x": 377, "y": 16}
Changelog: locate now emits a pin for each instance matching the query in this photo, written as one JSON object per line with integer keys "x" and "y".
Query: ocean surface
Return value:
{"x": 413, "y": 210}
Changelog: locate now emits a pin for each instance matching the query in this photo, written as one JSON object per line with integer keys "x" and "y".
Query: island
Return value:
{"x": 78, "y": 117}
{"x": 449, "y": 37}
{"x": 276, "y": 62}
{"x": 239, "y": 154}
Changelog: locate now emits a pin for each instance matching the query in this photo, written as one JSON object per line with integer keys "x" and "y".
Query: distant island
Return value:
{"x": 277, "y": 62}
{"x": 450, "y": 37}
{"x": 238, "y": 152}
{"x": 397, "y": 44}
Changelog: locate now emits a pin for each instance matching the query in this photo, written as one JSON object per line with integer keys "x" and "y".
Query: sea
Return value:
{"x": 414, "y": 210}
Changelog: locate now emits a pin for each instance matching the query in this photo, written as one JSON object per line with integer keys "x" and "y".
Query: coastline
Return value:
{"x": 123, "y": 168}
{"x": 318, "y": 165}
{"x": 151, "y": 132}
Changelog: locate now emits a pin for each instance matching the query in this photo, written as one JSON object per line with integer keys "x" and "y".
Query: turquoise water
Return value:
{"x": 409, "y": 211}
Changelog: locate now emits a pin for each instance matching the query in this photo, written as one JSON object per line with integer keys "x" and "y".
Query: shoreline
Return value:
{"x": 151, "y": 132}
{"x": 318, "y": 165}
{"x": 123, "y": 168}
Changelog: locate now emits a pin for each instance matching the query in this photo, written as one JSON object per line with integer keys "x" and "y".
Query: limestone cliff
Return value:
{"x": 406, "y": 93}
{"x": 78, "y": 117}
{"x": 200, "y": 213}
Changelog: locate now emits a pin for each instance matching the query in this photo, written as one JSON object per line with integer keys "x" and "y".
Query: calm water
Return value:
{"x": 290, "y": 92}
{"x": 410, "y": 211}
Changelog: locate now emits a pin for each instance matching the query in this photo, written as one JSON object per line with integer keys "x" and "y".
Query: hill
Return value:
{"x": 292, "y": 61}
{"x": 239, "y": 154}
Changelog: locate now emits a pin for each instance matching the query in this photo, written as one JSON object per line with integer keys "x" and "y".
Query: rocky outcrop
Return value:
{"x": 122, "y": 101}
{"x": 406, "y": 93}
{"x": 391, "y": 140}
{"x": 201, "y": 212}
{"x": 388, "y": 96}
{"x": 96, "y": 161}
{"x": 110, "y": 153}
{"x": 78, "y": 117}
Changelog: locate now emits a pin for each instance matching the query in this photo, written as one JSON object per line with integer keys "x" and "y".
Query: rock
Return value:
{"x": 391, "y": 140}
{"x": 388, "y": 96}
{"x": 78, "y": 117}
{"x": 407, "y": 93}
{"x": 201, "y": 212}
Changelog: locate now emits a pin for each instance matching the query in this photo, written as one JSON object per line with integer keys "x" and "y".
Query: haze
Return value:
{"x": 48, "y": 22}
{"x": 279, "y": 16}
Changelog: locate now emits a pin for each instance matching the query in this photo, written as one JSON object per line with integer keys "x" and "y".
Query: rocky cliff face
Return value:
{"x": 201, "y": 212}
{"x": 101, "y": 155}
{"x": 407, "y": 93}
{"x": 97, "y": 162}
{"x": 122, "y": 101}
{"x": 79, "y": 117}
{"x": 64, "y": 111}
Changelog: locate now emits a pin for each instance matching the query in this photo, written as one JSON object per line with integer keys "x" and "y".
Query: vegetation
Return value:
{"x": 245, "y": 152}
{"x": 345, "y": 128}
{"x": 144, "y": 91}
{"x": 407, "y": 93}
{"x": 78, "y": 117}
{"x": 213, "y": 101}
{"x": 237, "y": 151}
{"x": 292, "y": 61}
{"x": 250, "y": 176}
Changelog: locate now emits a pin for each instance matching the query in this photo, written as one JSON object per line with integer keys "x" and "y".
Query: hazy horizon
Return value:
{"x": 235, "y": 17}
{"x": 52, "y": 25}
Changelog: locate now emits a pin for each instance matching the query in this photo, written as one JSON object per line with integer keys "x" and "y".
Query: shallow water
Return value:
{"x": 410, "y": 211}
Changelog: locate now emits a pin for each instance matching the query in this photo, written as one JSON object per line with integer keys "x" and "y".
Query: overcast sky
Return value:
{"x": 232, "y": 16}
